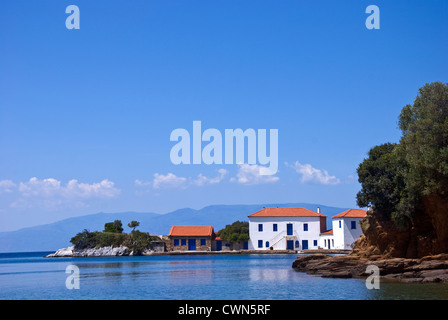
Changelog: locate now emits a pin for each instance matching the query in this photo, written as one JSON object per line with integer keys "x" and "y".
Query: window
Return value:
{"x": 353, "y": 224}
{"x": 325, "y": 242}
{"x": 183, "y": 242}
{"x": 267, "y": 244}
{"x": 332, "y": 242}
{"x": 260, "y": 227}
{"x": 260, "y": 243}
{"x": 305, "y": 227}
{"x": 203, "y": 242}
{"x": 274, "y": 227}
{"x": 339, "y": 223}
{"x": 176, "y": 242}
{"x": 315, "y": 243}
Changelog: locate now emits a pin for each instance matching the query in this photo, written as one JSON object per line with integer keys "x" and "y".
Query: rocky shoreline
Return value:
{"x": 425, "y": 270}
{"x": 94, "y": 252}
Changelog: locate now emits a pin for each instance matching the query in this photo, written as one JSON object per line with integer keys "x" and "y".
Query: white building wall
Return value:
{"x": 343, "y": 233}
{"x": 326, "y": 241}
{"x": 278, "y": 239}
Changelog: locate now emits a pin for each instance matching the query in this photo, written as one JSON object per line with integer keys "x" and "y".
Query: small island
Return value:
{"x": 112, "y": 241}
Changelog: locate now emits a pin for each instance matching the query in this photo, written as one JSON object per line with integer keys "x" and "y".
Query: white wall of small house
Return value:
{"x": 324, "y": 240}
{"x": 277, "y": 238}
{"x": 344, "y": 234}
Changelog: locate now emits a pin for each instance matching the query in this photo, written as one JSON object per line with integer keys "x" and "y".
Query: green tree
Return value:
{"x": 382, "y": 178}
{"x": 133, "y": 224}
{"x": 114, "y": 227}
{"x": 235, "y": 232}
{"x": 424, "y": 142}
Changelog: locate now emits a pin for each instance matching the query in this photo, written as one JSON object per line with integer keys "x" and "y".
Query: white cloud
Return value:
{"x": 51, "y": 193}
{"x": 250, "y": 175}
{"x": 313, "y": 175}
{"x": 203, "y": 180}
{"x": 168, "y": 181}
{"x": 50, "y": 188}
{"x": 6, "y": 186}
{"x": 171, "y": 181}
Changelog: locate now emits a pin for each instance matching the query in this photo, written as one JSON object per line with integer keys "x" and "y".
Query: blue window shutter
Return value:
{"x": 203, "y": 242}
{"x": 353, "y": 224}
{"x": 260, "y": 243}
{"x": 305, "y": 227}
{"x": 274, "y": 227}
{"x": 339, "y": 223}
{"x": 315, "y": 243}
{"x": 176, "y": 242}
{"x": 183, "y": 242}
{"x": 260, "y": 227}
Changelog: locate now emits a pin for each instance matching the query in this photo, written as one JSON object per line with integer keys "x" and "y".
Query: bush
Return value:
{"x": 85, "y": 240}
{"x": 138, "y": 241}
{"x": 235, "y": 232}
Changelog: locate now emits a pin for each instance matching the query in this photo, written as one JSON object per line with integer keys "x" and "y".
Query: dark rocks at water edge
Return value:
{"x": 427, "y": 269}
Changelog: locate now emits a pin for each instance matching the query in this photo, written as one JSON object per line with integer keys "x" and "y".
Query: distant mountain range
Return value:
{"x": 50, "y": 237}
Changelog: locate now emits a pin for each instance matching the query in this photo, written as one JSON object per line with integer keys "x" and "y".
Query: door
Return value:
{"x": 304, "y": 244}
{"x": 289, "y": 229}
{"x": 218, "y": 245}
{"x": 290, "y": 244}
{"x": 191, "y": 244}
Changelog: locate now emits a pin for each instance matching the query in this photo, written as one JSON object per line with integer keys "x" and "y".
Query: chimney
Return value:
{"x": 318, "y": 209}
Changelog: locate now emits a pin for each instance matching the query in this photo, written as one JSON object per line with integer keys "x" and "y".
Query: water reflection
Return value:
{"x": 269, "y": 275}
{"x": 191, "y": 276}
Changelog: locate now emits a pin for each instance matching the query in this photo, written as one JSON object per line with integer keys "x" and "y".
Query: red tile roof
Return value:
{"x": 352, "y": 213}
{"x": 191, "y": 231}
{"x": 327, "y": 233}
{"x": 286, "y": 212}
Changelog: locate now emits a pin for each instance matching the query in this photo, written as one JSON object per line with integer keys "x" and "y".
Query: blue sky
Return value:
{"x": 86, "y": 115}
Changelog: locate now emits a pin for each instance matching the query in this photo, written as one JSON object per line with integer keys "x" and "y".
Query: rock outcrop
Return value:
{"x": 93, "y": 252}
{"x": 427, "y": 269}
{"x": 426, "y": 235}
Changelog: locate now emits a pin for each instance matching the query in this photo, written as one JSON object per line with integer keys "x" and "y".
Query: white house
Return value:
{"x": 346, "y": 229}
{"x": 285, "y": 228}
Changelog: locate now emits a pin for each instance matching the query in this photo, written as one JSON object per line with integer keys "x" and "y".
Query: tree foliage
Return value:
{"x": 235, "y": 232}
{"x": 114, "y": 227}
{"x": 395, "y": 177}
{"x": 133, "y": 224}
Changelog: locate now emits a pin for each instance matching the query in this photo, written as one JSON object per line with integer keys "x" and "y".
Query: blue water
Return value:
{"x": 209, "y": 277}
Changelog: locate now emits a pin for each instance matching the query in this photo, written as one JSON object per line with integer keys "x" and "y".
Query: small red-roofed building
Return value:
{"x": 191, "y": 238}
{"x": 346, "y": 230}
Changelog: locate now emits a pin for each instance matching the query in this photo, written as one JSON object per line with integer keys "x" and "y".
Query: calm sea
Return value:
{"x": 207, "y": 277}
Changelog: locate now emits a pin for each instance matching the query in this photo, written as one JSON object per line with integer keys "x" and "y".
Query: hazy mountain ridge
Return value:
{"x": 57, "y": 235}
